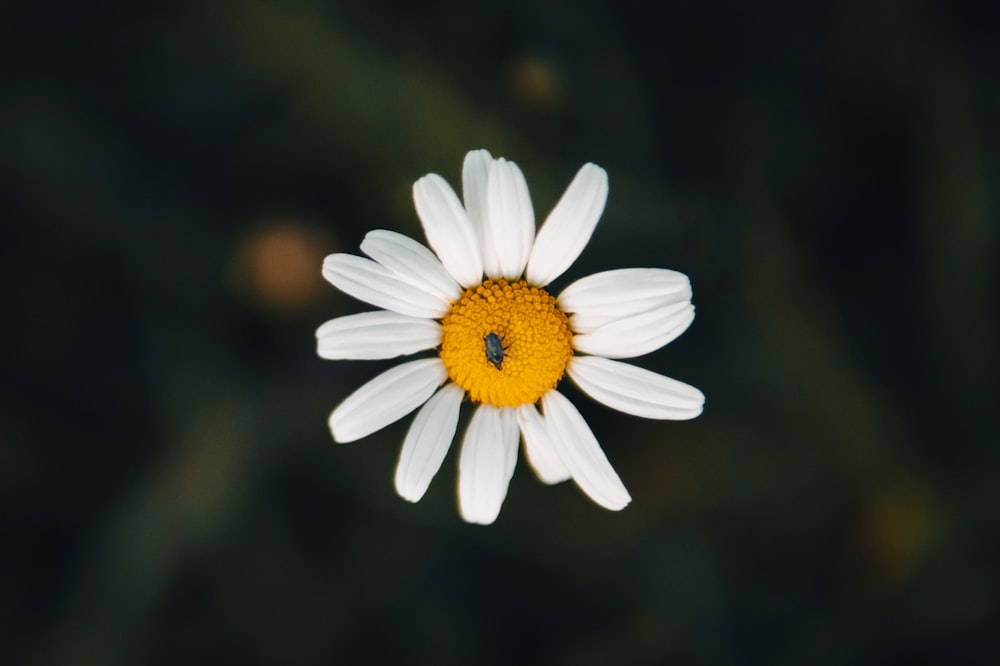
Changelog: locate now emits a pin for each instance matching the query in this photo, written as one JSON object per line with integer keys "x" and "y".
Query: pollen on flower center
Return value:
{"x": 534, "y": 333}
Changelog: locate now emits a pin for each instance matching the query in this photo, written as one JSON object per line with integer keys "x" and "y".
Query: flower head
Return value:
{"x": 501, "y": 339}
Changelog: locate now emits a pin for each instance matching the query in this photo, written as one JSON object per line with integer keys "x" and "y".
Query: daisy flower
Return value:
{"x": 500, "y": 339}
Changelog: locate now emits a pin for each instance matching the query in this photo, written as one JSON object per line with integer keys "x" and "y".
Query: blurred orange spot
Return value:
{"x": 279, "y": 266}
{"x": 900, "y": 527}
{"x": 534, "y": 82}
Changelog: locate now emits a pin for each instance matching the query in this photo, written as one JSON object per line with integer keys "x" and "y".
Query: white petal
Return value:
{"x": 372, "y": 335}
{"x": 638, "y": 334}
{"x": 569, "y": 226}
{"x": 510, "y": 219}
{"x": 448, "y": 229}
{"x": 373, "y": 283}
{"x": 475, "y": 177}
{"x": 635, "y": 390}
{"x": 538, "y": 447}
{"x": 486, "y": 464}
{"x": 411, "y": 261}
{"x": 603, "y": 297}
{"x": 386, "y": 399}
{"x": 427, "y": 442}
{"x": 579, "y": 451}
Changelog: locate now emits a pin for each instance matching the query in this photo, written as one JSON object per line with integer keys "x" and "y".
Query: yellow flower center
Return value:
{"x": 534, "y": 343}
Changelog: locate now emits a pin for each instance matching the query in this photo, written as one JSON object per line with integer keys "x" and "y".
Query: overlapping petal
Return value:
{"x": 486, "y": 464}
{"x": 638, "y": 334}
{"x": 475, "y": 178}
{"x": 569, "y": 226}
{"x": 635, "y": 390}
{"x": 578, "y": 449}
{"x": 386, "y": 399}
{"x": 374, "y": 335}
{"x": 448, "y": 228}
{"x": 373, "y": 283}
{"x": 538, "y": 447}
{"x": 510, "y": 218}
{"x": 412, "y": 262}
{"x": 601, "y": 298}
{"x": 427, "y": 442}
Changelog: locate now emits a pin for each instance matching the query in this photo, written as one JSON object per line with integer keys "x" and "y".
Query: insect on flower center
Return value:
{"x": 506, "y": 343}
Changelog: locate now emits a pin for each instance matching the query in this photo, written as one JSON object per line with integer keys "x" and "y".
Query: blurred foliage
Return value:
{"x": 172, "y": 174}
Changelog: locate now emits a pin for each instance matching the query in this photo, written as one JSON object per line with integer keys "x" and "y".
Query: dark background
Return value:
{"x": 171, "y": 177}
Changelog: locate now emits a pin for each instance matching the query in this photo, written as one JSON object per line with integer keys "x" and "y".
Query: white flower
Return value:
{"x": 500, "y": 339}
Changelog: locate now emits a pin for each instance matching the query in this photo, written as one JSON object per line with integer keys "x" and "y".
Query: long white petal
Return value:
{"x": 475, "y": 178}
{"x": 486, "y": 464}
{"x": 603, "y": 297}
{"x": 448, "y": 229}
{"x": 569, "y": 226}
{"x": 635, "y": 390}
{"x": 510, "y": 218}
{"x": 373, "y": 335}
{"x": 386, "y": 399}
{"x": 538, "y": 447}
{"x": 638, "y": 334}
{"x": 427, "y": 442}
{"x": 373, "y": 283}
{"x": 412, "y": 262}
{"x": 579, "y": 451}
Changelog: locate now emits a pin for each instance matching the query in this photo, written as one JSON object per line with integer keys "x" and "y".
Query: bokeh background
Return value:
{"x": 173, "y": 173}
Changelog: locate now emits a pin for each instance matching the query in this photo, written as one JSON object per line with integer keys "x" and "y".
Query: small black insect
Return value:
{"x": 494, "y": 350}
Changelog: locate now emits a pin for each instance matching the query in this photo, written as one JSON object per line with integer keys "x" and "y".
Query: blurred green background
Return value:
{"x": 173, "y": 173}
